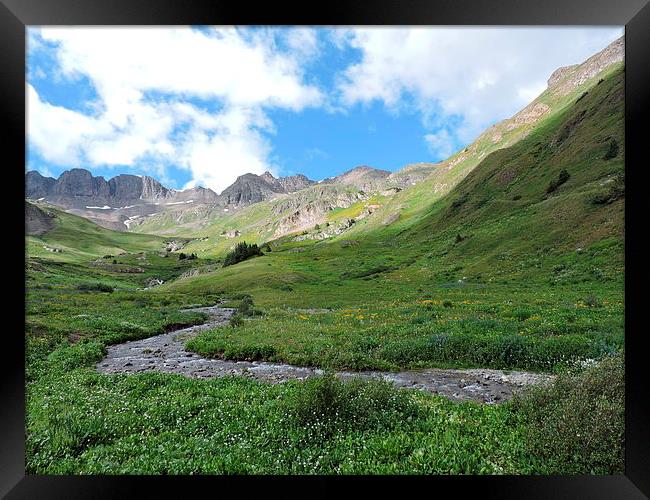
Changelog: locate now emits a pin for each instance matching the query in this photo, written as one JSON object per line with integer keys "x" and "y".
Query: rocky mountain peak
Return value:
{"x": 565, "y": 79}
{"x": 268, "y": 176}
{"x": 152, "y": 189}
{"x": 37, "y": 186}
{"x": 559, "y": 74}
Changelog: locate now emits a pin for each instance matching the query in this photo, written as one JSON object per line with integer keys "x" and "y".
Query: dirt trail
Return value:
{"x": 166, "y": 353}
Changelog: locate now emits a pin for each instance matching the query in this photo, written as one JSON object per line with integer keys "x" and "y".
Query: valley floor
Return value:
{"x": 82, "y": 421}
{"x": 166, "y": 353}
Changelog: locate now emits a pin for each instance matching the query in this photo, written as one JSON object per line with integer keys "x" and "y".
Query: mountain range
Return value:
{"x": 118, "y": 202}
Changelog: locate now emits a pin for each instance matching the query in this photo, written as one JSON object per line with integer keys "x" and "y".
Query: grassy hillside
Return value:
{"x": 79, "y": 239}
{"x": 257, "y": 223}
{"x": 498, "y": 225}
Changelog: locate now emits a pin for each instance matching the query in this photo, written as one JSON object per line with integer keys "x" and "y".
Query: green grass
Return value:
{"x": 496, "y": 326}
{"x": 83, "y": 422}
{"x": 79, "y": 240}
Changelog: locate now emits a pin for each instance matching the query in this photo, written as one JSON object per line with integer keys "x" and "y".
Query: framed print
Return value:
{"x": 381, "y": 245}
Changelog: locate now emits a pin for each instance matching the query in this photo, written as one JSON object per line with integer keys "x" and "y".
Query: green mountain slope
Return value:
{"x": 499, "y": 223}
{"x": 403, "y": 197}
{"x": 73, "y": 238}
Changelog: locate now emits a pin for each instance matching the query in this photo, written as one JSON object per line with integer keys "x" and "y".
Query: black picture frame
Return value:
{"x": 15, "y": 15}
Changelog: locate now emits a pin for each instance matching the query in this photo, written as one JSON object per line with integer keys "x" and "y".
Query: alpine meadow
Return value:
{"x": 464, "y": 316}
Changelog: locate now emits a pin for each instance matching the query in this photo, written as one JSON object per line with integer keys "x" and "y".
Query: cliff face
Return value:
{"x": 251, "y": 188}
{"x": 80, "y": 183}
{"x": 38, "y": 186}
{"x": 362, "y": 177}
{"x": 152, "y": 189}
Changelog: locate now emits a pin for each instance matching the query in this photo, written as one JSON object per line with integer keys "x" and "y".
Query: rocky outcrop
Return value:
{"x": 409, "y": 175}
{"x": 37, "y": 186}
{"x": 251, "y": 188}
{"x": 173, "y": 246}
{"x": 38, "y": 221}
{"x": 295, "y": 183}
{"x": 362, "y": 177}
{"x": 125, "y": 189}
{"x": 564, "y": 80}
{"x": 152, "y": 189}
{"x": 79, "y": 183}
{"x": 559, "y": 74}
{"x": 530, "y": 114}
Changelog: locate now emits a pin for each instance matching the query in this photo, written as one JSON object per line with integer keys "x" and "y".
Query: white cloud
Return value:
{"x": 303, "y": 42}
{"x": 245, "y": 75}
{"x": 440, "y": 144}
{"x": 480, "y": 74}
{"x": 57, "y": 132}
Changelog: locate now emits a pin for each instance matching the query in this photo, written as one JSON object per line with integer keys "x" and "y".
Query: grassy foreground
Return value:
{"x": 80, "y": 421}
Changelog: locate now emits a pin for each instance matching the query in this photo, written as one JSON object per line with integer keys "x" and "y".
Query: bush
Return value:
{"x": 95, "y": 287}
{"x": 246, "y": 307}
{"x": 562, "y": 177}
{"x": 577, "y": 425}
{"x": 612, "y": 151}
{"x": 182, "y": 256}
{"x": 325, "y": 405}
{"x": 236, "y": 320}
{"x": 447, "y": 303}
{"x": 613, "y": 192}
{"x": 241, "y": 252}
{"x": 592, "y": 301}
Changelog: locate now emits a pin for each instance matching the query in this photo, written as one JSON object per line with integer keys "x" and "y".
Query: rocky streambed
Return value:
{"x": 166, "y": 353}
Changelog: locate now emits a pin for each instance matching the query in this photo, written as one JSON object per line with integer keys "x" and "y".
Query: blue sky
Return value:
{"x": 202, "y": 105}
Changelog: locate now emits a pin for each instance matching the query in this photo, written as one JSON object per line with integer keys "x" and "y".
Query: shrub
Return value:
{"x": 615, "y": 190}
{"x": 612, "y": 151}
{"x": 562, "y": 177}
{"x": 460, "y": 201}
{"x": 114, "y": 261}
{"x": 592, "y": 301}
{"x": 577, "y": 424}
{"x": 447, "y": 303}
{"x": 182, "y": 256}
{"x": 241, "y": 252}
{"x": 236, "y": 320}
{"x": 246, "y": 307}
{"x": 95, "y": 287}
{"x": 325, "y": 405}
